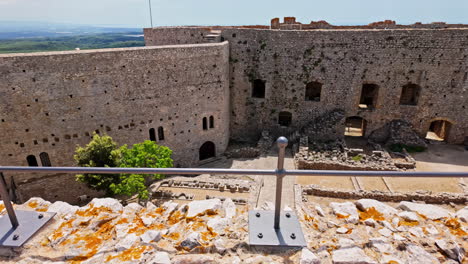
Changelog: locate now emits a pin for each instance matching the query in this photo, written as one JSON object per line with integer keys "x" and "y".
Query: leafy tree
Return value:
{"x": 100, "y": 152}
{"x": 142, "y": 155}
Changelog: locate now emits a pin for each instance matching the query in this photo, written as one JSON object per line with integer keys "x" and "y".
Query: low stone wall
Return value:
{"x": 426, "y": 196}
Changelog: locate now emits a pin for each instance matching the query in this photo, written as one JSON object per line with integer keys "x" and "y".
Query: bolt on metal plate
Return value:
{"x": 262, "y": 232}
{"x": 29, "y": 223}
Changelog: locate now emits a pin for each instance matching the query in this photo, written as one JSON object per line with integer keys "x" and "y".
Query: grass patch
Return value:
{"x": 410, "y": 149}
{"x": 357, "y": 158}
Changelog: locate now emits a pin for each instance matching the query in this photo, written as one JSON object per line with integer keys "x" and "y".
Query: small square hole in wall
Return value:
{"x": 35, "y": 142}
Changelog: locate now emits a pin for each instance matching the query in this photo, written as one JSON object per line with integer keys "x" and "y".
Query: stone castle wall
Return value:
{"x": 344, "y": 60}
{"x": 436, "y": 60}
{"x": 51, "y": 102}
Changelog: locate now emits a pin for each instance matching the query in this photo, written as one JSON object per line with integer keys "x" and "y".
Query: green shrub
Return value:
{"x": 103, "y": 152}
{"x": 357, "y": 158}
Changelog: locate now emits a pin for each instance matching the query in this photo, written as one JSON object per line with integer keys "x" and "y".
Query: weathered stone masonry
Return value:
{"x": 256, "y": 79}
{"x": 50, "y": 102}
{"x": 342, "y": 60}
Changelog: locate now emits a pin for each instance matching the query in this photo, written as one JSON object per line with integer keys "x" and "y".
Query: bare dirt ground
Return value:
{"x": 438, "y": 157}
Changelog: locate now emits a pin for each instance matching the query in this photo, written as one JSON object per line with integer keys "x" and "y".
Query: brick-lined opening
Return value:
{"x": 258, "y": 88}
{"x": 410, "y": 94}
{"x": 313, "y": 91}
{"x": 439, "y": 130}
{"x": 45, "y": 160}
{"x": 160, "y": 133}
{"x": 207, "y": 150}
{"x": 285, "y": 119}
{"x": 369, "y": 95}
{"x": 152, "y": 134}
{"x": 211, "y": 122}
{"x": 205, "y": 123}
{"x": 32, "y": 161}
{"x": 355, "y": 126}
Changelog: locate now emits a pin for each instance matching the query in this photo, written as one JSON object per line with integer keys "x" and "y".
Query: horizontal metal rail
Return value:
{"x": 191, "y": 171}
{"x": 279, "y": 172}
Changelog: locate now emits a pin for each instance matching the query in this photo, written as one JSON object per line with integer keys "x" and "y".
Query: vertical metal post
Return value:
{"x": 151, "y": 13}
{"x": 7, "y": 202}
{"x": 280, "y": 173}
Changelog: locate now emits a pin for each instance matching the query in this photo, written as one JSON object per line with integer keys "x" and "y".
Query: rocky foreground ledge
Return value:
{"x": 215, "y": 231}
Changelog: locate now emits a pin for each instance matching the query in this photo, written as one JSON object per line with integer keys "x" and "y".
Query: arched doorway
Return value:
{"x": 32, "y": 161}
{"x": 207, "y": 150}
{"x": 355, "y": 126}
{"x": 284, "y": 119}
{"x": 439, "y": 130}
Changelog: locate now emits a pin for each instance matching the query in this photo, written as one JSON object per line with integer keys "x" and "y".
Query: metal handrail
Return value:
{"x": 280, "y": 172}
{"x": 191, "y": 171}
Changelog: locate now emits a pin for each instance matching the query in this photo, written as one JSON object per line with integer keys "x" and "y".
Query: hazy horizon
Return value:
{"x": 135, "y": 13}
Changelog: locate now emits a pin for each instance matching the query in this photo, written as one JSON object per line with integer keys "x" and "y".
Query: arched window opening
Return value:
{"x": 369, "y": 95}
{"x": 160, "y": 133}
{"x": 45, "y": 159}
{"x": 211, "y": 122}
{"x": 205, "y": 124}
{"x": 355, "y": 126}
{"x": 410, "y": 94}
{"x": 284, "y": 119}
{"x": 207, "y": 150}
{"x": 32, "y": 161}
{"x": 439, "y": 130}
{"x": 152, "y": 134}
{"x": 313, "y": 91}
{"x": 258, "y": 88}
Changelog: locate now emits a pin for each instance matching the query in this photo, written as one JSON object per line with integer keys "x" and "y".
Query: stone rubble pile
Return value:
{"x": 334, "y": 155}
{"x": 213, "y": 231}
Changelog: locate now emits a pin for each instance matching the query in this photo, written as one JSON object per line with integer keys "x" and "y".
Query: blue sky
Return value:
{"x": 233, "y": 12}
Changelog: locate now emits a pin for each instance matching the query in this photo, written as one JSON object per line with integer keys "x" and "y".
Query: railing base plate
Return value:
{"x": 262, "y": 232}
{"x": 29, "y": 223}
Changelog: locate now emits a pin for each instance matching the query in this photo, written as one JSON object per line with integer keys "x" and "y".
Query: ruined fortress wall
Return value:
{"x": 51, "y": 102}
{"x": 175, "y": 35}
{"x": 343, "y": 60}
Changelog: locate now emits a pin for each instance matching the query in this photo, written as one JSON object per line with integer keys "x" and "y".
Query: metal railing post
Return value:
{"x": 7, "y": 202}
{"x": 280, "y": 173}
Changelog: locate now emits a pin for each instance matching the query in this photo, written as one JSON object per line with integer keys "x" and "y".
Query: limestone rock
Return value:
{"x": 218, "y": 224}
{"x": 62, "y": 208}
{"x": 193, "y": 259}
{"x": 370, "y": 222}
{"x": 416, "y": 231}
{"x": 150, "y": 206}
{"x": 418, "y": 255}
{"x": 409, "y": 216}
{"x": 229, "y": 208}
{"x": 381, "y": 245}
{"x": 346, "y": 210}
{"x": 151, "y": 235}
{"x": 346, "y": 242}
{"x": 159, "y": 258}
{"x": 200, "y": 207}
{"x": 385, "y": 232}
{"x": 342, "y": 230}
{"x": 463, "y": 214}
{"x": 220, "y": 246}
{"x": 132, "y": 208}
{"x": 169, "y": 207}
{"x": 127, "y": 242}
{"x": 429, "y": 211}
{"x": 451, "y": 249}
{"x": 319, "y": 210}
{"x": 352, "y": 255}
{"x": 110, "y": 203}
{"x": 307, "y": 257}
{"x": 191, "y": 242}
{"x": 386, "y": 210}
